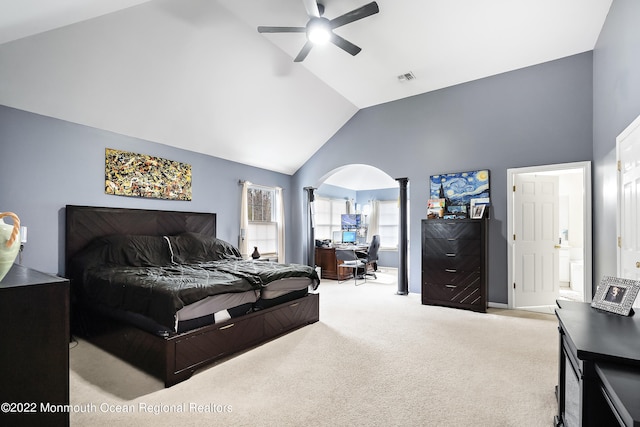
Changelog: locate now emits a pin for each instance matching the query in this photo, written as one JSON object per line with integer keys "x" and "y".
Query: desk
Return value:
{"x": 326, "y": 260}
{"x": 599, "y": 367}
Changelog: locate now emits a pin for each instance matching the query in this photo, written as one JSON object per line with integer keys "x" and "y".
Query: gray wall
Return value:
{"x": 47, "y": 163}
{"x": 616, "y": 103}
{"x": 534, "y": 116}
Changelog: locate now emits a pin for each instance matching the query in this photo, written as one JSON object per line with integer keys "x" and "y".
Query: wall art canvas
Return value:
{"x": 459, "y": 189}
{"x": 140, "y": 175}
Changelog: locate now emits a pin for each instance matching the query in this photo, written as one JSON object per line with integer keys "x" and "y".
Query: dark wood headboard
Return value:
{"x": 85, "y": 223}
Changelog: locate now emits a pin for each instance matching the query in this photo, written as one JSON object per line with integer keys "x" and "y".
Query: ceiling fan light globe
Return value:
{"x": 318, "y": 31}
{"x": 319, "y": 36}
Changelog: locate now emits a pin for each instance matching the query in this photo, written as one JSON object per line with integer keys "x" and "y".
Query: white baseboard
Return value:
{"x": 497, "y": 305}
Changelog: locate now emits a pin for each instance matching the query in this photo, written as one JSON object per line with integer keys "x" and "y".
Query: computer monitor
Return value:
{"x": 350, "y": 221}
{"x": 349, "y": 237}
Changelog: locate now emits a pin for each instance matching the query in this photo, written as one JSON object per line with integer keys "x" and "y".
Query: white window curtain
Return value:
{"x": 280, "y": 220}
{"x": 374, "y": 220}
{"x": 388, "y": 223}
{"x": 244, "y": 220}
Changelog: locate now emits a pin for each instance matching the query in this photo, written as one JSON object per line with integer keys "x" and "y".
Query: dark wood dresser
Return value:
{"x": 34, "y": 354}
{"x": 454, "y": 263}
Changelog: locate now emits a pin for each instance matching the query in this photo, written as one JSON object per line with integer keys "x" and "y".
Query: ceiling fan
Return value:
{"x": 320, "y": 29}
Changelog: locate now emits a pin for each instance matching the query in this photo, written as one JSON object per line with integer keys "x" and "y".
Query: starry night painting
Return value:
{"x": 459, "y": 188}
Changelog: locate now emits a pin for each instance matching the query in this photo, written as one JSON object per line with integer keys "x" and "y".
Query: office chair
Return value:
{"x": 371, "y": 257}
{"x": 350, "y": 260}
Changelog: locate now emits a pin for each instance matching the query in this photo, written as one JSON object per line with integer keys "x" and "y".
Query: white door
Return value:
{"x": 536, "y": 257}
{"x": 629, "y": 202}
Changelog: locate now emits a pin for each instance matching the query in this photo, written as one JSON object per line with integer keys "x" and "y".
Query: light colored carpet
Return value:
{"x": 374, "y": 359}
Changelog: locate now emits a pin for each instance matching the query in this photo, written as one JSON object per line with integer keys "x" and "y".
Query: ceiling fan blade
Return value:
{"x": 281, "y": 29}
{"x": 356, "y": 14}
{"x": 312, "y": 8}
{"x": 345, "y": 45}
{"x": 304, "y": 52}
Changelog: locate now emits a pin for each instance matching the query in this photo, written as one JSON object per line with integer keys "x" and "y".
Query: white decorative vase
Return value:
{"x": 9, "y": 242}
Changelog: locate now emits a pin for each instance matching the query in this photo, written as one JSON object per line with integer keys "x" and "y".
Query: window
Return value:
{"x": 260, "y": 201}
{"x": 327, "y": 216}
{"x": 389, "y": 224}
{"x": 263, "y": 225}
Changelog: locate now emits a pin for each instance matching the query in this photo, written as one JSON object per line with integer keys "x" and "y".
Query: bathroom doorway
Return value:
{"x": 549, "y": 239}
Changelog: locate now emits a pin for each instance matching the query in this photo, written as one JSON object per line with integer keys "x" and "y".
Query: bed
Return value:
{"x": 159, "y": 290}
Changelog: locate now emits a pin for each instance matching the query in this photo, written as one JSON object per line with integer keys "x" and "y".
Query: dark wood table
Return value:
{"x": 34, "y": 357}
{"x": 599, "y": 367}
{"x": 620, "y": 386}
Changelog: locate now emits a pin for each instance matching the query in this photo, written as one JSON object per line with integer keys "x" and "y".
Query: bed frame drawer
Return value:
{"x": 291, "y": 315}
{"x": 211, "y": 344}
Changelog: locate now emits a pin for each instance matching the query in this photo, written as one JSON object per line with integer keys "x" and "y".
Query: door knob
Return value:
{"x": 637, "y": 264}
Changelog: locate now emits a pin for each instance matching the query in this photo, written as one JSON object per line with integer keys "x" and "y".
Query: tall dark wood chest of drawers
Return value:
{"x": 454, "y": 263}
{"x": 34, "y": 358}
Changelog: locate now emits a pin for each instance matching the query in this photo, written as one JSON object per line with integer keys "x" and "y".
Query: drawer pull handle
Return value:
{"x": 450, "y": 270}
{"x": 450, "y": 254}
{"x": 451, "y": 286}
{"x": 295, "y": 304}
{"x": 451, "y": 239}
{"x": 228, "y": 326}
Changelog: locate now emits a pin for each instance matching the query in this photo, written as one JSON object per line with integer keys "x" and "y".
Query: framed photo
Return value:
{"x": 477, "y": 212}
{"x": 616, "y": 295}
{"x": 435, "y": 208}
{"x": 479, "y": 201}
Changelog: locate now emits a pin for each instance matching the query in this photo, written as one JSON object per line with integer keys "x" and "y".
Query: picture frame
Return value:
{"x": 616, "y": 295}
{"x": 459, "y": 211}
{"x": 435, "y": 208}
{"x": 460, "y": 189}
{"x": 478, "y": 212}
{"x": 479, "y": 201}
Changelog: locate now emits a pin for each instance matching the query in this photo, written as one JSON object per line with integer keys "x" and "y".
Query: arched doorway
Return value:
{"x": 356, "y": 189}
{"x": 358, "y": 177}
{"x": 362, "y": 190}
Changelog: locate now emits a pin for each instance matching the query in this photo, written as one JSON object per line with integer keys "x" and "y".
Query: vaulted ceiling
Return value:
{"x": 196, "y": 74}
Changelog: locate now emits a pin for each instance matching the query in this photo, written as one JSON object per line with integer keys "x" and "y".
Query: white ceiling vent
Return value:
{"x": 406, "y": 77}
